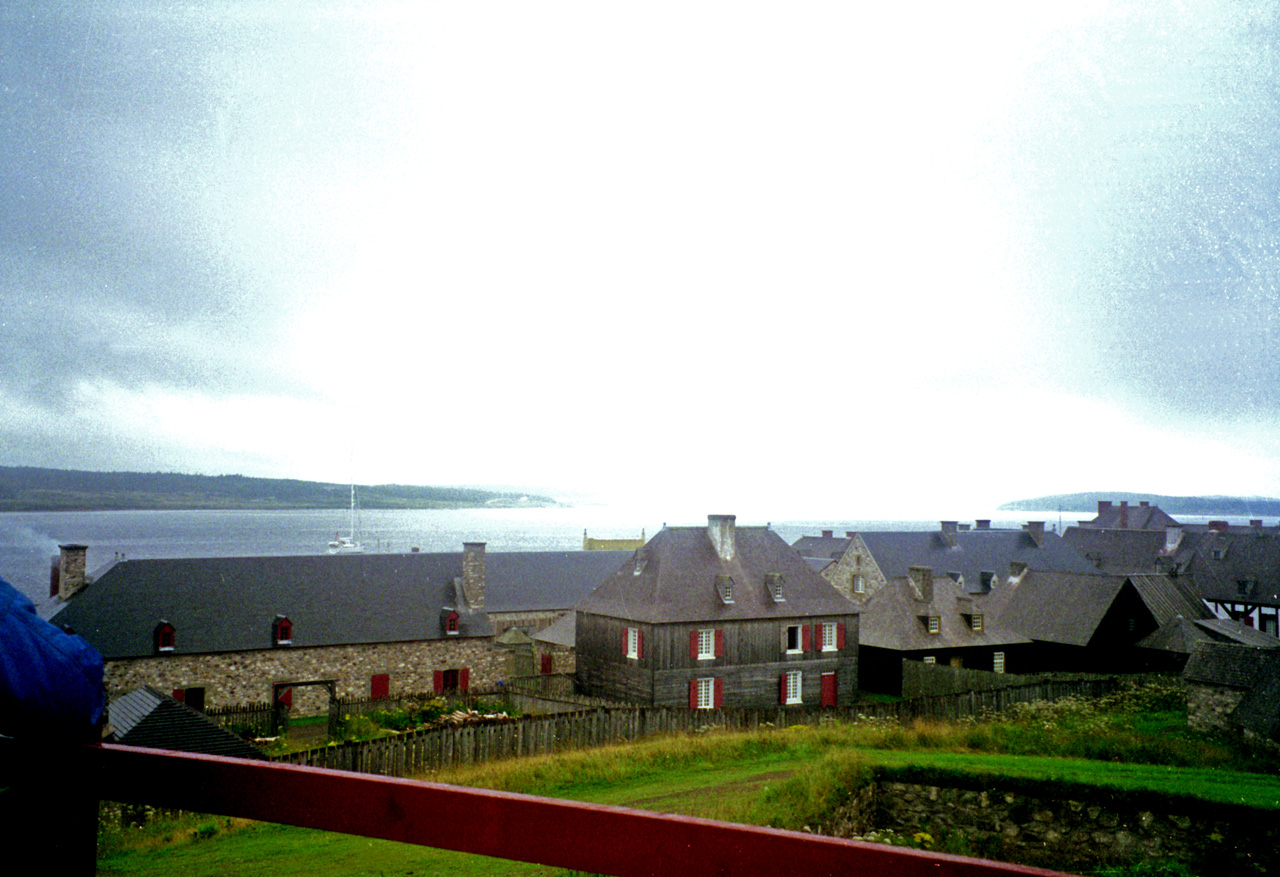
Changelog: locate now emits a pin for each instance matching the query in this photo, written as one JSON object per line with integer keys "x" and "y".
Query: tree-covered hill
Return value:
{"x": 25, "y": 488}
{"x": 1243, "y": 506}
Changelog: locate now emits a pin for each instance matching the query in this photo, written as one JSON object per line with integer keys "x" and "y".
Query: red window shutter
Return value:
{"x": 818, "y": 642}
{"x": 547, "y": 665}
{"x": 437, "y": 681}
{"x": 379, "y": 685}
{"x": 639, "y": 643}
{"x": 624, "y": 641}
{"x": 804, "y": 637}
{"x": 719, "y": 688}
{"x": 180, "y": 695}
{"x": 840, "y": 635}
{"x": 693, "y": 644}
{"x": 782, "y": 688}
{"x": 719, "y": 645}
{"x": 464, "y": 678}
{"x": 286, "y": 697}
{"x": 693, "y": 694}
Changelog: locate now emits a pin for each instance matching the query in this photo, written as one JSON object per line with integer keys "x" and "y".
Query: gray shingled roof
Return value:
{"x": 672, "y": 579}
{"x": 543, "y": 581}
{"x": 1185, "y": 635}
{"x": 561, "y": 632}
{"x": 1169, "y": 598}
{"x": 1228, "y": 664}
{"x": 1118, "y": 552}
{"x": 1131, "y": 517}
{"x": 146, "y": 717}
{"x": 974, "y": 552}
{"x": 1259, "y": 710}
{"x": 890, "y": 618}
{"x": 1061, "y": 607}
{"x": 229, "y": 603}
{"x": 824, "y": 547}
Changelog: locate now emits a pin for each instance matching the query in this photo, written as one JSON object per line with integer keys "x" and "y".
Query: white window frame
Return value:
{"x": 799, "y": 639}
{"x": 633, "y": 642}
{"x": 859, "y": 584}
{"x": 976, "y": 622}
{"x": 828, "y": 636}
{"x": 934, "y": 624}
{"x": 706, "y": 643}
{"x": 997, "y": 662}
{"x": 930, "y": 659}
{"x": 795, "y": 687}
{"x": 707, "y": 694}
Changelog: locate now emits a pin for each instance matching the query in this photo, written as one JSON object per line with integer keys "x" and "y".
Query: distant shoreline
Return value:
{"x": 1080, "y": 503}
{"x": 30, "y": 489}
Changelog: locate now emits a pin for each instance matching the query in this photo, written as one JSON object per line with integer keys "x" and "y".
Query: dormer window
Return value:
{"x": 975, "y": 622}
{"x": 859, "y": 584}
{"x": 452, "y": 623}
{"x": 724, "y": 588}
{"x": 932, "y": 623}
{"x": 773, "y": 583}
{"x": 281, "y": 631}
{"x": 165, "y": 635}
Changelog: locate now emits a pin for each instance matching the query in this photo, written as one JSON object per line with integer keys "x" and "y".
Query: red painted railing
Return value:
{"x": 587, "y": 837}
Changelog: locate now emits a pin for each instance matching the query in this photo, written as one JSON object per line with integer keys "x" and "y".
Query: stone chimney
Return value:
{"x": 1124, "y": 514}
{"x": 1035, "y": 529}
{"x": 949, "y": 533}
{"x": 922, "y": 578}
{"x": 1104, "y": 505}
{"x": 473, "y": 578}
{"x": 827, "y": 534}
{"x": 982, "y": 524}
{"x": 70, "y": 570}
{"x": 720, "y": 531}
{"x": 1172, "y": 539}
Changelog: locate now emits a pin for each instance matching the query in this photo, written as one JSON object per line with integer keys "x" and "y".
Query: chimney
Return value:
{"x": 827, "y": 534}
{"x": 1124, "y": 514}
{"x": 1172, "y": 539}
{"x": 949, "y": 533}
{"x": 1035, "y": 529}
{"x": 922, "y": 578}
{"x": 982, "y": 524}
{"x": 1255, "y": 523}
{"x": 71, "y": 577}
{"x": 1144, "y": 503}
{"x": 473, "y": 579}
{"x": 1104, "y": 505}
{"x": 848, "y": 534}
{"x": 720, "y": 531}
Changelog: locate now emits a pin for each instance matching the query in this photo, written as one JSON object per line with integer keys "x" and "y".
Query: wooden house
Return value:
{"x": 717, "y": 616}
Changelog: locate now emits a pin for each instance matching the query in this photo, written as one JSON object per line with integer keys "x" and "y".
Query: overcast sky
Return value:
{"x": 831, "y": 258}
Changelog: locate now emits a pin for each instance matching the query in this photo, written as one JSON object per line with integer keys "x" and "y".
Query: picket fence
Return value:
{"x": 433, "y": 749}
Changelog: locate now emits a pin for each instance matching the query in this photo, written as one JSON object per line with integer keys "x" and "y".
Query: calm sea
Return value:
{"x": 29, "y": 539}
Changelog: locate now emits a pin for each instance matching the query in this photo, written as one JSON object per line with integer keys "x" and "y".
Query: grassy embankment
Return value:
{"x": 788, "y": 778}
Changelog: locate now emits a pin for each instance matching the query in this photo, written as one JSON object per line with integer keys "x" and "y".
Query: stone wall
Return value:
{"x": 1083, "y": 831}
{"x": 1209, "y": 706}
{"x": 237, "y": 678}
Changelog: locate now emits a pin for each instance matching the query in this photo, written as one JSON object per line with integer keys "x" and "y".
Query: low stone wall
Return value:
{"x": 1082, "y": 831}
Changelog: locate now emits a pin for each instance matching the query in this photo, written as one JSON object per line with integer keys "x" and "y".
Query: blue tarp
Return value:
{"x": 50, "y": 680}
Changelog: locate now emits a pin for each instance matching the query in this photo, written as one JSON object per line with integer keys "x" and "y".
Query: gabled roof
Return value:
{"x": 1259, "y": 710}
{"x": 1122, "y": 516}
{"x": 1241, "y": 566}
{"x": 1169, "y": 598}
{"x": 561, "y": 632}
{"x": 824, "y": 546}
{"x": 673, "y": 579}
{"x": 228, "y": 604}
{"x": 1185, "y": 635}
{"x": 1118, "y": 552}
{"x": 1229, "y": 665}
{"x": 1064, "y": 608}
{"x": 970, "y": 552}
{"x": 543, "y": 581}
{"x": 146, "y": 717}
{"x": 891, "y": 618}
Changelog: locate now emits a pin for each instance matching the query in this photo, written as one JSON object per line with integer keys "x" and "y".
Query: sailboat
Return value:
{"x": 348, "y": 544}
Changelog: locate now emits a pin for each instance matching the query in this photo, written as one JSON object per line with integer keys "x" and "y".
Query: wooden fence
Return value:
{"x": 429, "y": 750}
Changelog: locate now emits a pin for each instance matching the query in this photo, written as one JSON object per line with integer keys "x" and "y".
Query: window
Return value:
{"x": 859, "y": 584}
{"x": 997, "y": 662}
{"x": 975, "y": 622}
{"x": 724, "y": 587}
{"x": 548, "y": 665}
{"x": 774, "y": 582}
{"x": 795, "y": 639}
{"x": 281, "y": 631}
{"x": 706, "y": 643}
{"x": 379, "y": 685}
{"x": 930, "y": 659}
{"x": 1268, "y": 624}
{"x": 828, "y": 636}
{"x": 932, "y": 623}
{"x": 632, "y": 642}
{"x": 986, "y": 579}
{"x": 165, "y": 635}
{"x": 451, "y": 681}
{"x": 451, "y": 624}
{"x": 790, "y": 686}
{"x": 706, "y": 694}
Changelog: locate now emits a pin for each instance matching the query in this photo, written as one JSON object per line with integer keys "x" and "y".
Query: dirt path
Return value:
{"x": 736, "y": 787}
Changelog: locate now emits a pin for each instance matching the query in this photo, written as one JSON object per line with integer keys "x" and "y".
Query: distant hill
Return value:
{"x": 1241, "y": 506}
{"x": 29, "y": 489}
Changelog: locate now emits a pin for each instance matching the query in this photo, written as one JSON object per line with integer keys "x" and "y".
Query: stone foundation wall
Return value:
{"x": 1070, "y": 834}
{"x": 1208, "y": 706}
{"x": 239, "y": 678}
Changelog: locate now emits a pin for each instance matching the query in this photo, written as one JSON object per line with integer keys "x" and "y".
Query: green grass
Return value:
{"x": 1136, "y": 741}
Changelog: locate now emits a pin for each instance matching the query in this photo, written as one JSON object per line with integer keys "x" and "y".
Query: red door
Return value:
{"x": 828, "y": 689}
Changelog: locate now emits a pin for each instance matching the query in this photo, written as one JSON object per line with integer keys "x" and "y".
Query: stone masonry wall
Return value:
{"x": 1208, "y": 706}
{"x": 237, "y": 678}
{"x": 1068, "y": 833}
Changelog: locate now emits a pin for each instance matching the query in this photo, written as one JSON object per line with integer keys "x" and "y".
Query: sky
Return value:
{"x": 824, "y": 258}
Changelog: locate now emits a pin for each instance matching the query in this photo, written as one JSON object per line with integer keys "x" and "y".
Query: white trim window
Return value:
{"x": 706, "y": 645}
{"x": 997, "y": 662}
{"x": 930, "y": 659}
{"x": 975, "y": 622}
{"x": 633, "y": 642}
{"x": 828, "y": 636}
{"x": 859, "y": 584}
{"x": 794, "y": 686}
{"x": 706, "y": 694}
{"x": 794, "y": 644}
